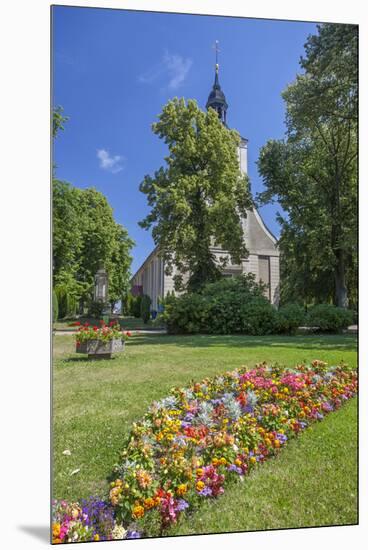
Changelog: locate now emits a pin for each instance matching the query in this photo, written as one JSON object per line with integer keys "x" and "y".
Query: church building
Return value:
{"x": 263, "y": 258}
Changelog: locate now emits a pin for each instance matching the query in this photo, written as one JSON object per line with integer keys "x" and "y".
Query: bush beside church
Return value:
{"x": 238, "y": 306}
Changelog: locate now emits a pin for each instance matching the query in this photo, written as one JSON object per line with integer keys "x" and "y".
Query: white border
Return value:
{"x": 24, "y": 217}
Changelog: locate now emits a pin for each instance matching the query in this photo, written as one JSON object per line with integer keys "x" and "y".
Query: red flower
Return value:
{"x": 128, "y": 333}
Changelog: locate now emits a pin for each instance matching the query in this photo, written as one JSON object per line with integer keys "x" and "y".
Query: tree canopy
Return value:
{"x": 312, "y": 173}
{"x": 199, "y": 197}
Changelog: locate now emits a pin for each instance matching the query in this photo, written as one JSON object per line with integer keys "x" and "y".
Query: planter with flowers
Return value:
{"x": 100, "y": 342}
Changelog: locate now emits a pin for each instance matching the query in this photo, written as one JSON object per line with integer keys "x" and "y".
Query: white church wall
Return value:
{"x": 243, "y": 156}
{"x": 275, "y": 279}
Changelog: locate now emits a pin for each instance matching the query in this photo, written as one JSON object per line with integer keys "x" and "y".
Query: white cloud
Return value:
{"x": 111, "y": 164}
{"x": 174, "y": 67}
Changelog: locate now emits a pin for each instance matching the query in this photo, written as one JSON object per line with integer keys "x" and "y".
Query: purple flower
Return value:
{"x": 185, "y": 424}
{"x": 234, "y": 468}
{"x": 133, "y": 535}
{"x": 99, "y": 515}
{"x": 206, "y": 492}
{"x": 182, "y": 505}
{"x": 281, "y": 437}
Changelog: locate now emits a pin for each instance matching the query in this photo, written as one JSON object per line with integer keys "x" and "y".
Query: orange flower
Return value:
{"x": 138, "y": 512}
{"x": 144, "y": 479}
{"x": 115, "y": 493}
{"x": 148, "y": 503}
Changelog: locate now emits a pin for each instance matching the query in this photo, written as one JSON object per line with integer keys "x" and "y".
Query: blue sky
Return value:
{"x": 113, "y": 70}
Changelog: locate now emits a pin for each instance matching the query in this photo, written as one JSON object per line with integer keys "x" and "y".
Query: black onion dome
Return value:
{"x": 217, "y": 99}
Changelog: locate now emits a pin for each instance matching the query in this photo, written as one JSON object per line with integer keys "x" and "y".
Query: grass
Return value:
{"x": 94, "y": 404}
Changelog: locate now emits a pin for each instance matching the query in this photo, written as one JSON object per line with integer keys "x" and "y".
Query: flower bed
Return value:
{"x": 189, "y": 444}
{"x": 104, "y": 333}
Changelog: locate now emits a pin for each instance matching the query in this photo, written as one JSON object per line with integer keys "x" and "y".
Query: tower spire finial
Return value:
{"x": 217, "y": 99}
{"x": 217, "y": 49}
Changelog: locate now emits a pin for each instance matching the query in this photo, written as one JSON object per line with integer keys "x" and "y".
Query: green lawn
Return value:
{"x": 312, "y": 482}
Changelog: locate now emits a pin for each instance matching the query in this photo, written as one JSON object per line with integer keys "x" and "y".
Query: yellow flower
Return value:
{"x": 182, "y": 489}
{"x": 253, "y": 459}
{"x": 96, "y": 537}
{"x": 223, "y": 461}
{"x": 200, "y": 472}
{"x": 55, "y": 530}
{"x": 200, "y": 485}
{"x": 238, "y": 462}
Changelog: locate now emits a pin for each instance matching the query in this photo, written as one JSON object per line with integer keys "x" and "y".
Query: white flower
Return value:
{"x": 67, "y": 452}
{"x": 118, "y": 532}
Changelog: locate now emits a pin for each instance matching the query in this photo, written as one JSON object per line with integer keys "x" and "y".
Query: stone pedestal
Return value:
{"x": 96, "y": 349}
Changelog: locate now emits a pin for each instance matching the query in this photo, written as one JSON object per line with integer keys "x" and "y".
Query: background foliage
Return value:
{"x": 85, "y": 237}
{"x": 313, "y": 172}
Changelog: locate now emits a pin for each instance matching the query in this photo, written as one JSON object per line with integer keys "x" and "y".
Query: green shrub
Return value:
{"x": 228, "y": 306}
{"x": 96, "y": 309}
{"x": 55, "y": 307}
{"x": 71, "y": 306}
{"x": 145, "y": 308}
{"x": 67, "y": 303}
{"x": 258, "y": 317}
{"x": 185, "y": 314}
{"x": 329, "y": 318}
{"x": 289, "y": 318}
{"x": 127, "y": 304}
{"x": 136, "y": 306}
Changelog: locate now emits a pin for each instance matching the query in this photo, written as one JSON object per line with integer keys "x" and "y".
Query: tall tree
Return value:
{"x": 313, "y": 171}
{"x": 198, "y": 198}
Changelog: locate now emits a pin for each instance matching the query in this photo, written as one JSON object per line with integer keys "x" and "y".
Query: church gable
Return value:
{"x": 258, "y": 239}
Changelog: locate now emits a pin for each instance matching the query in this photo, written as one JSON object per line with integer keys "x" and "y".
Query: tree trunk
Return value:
{"x": 341, "y": 292}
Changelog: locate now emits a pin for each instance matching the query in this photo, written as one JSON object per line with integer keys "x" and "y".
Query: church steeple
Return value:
{"x": 217, "y": 99}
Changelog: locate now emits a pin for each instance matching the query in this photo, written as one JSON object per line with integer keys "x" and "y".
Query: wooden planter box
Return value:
{"x": 101, "y": 350}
